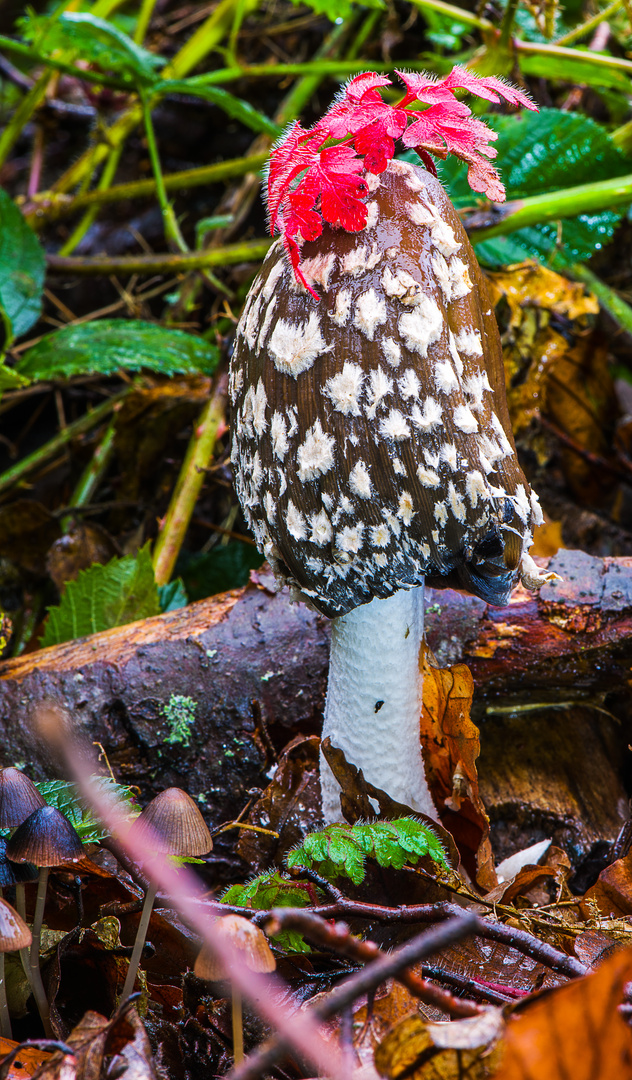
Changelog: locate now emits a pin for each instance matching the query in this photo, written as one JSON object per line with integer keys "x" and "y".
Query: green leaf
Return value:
{"x": 269, "y": 890}
{"x": 340, "y": 850}
{"x": 65, "y": 797}
{"x": 104, "y": 346}
{"x": 575, "y": 70}
{"x": 225, "y": 567}
{"x": 544, "y": 152}
{"x": 173, "y": 596}
{"x": 22, "y": 271}
{"x": 235, "y": 107}
{"x": 102, "y": 597}
{"x": 95, "y": 40}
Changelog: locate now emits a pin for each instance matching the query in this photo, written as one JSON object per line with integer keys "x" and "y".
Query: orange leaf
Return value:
{"x": 574, "y": 1031}
{"x": 27, "y": 1061}
{"x": 451, "y": 746}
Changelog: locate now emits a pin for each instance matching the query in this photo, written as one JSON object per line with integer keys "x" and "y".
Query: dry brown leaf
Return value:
{"x": 451, "y": 746}
{"x": 410, "y": 1050}
{"x": 574, "y": 1031}
{"x": 612, "y": 892}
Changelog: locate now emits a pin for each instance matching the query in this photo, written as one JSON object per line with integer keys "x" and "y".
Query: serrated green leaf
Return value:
{"x": 102, "y": 597}
{"x": 544, "y": 152}
{"x": 94, "y": 39}
{"x": 65, "y": 797}
{"x": 340, "y": 850}
{"x": 105, "y": 346}
{"x": 22, "y": 271}
{"x": 267, "y": 891}
{"x": 235, "y": 107}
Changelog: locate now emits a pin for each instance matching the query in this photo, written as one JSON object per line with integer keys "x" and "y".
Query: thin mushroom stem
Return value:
{"x": 37, "y": 986}
{"x": 20, "y": 907}
{"x": 374, "y": 700}
{"x": 238, "y": 1027}
{"x": 141, "y": 934}
{"x": 5, "y": 1019}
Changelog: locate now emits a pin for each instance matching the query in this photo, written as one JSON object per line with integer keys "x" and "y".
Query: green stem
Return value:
{"x": 364, "y": 33}
{"x": 507, "y": 24}
{"x": 245, "y": 251}
{"x": 458, "y": 14}
{"x": 85, "y": 423}
{"x": 173, "y": 235}
{"x": 591, "y": 24}
{"x": 189, "y": 484}
{"x": 537, "y": 48}
{"x": 77, "y": 235}
{"x": 37, "y": 985}
{"x": 141, "y": 934}
{"x": 583, "y": 199}
{"x": 607, "y": 297}
{"x": 146, "y": 12}
{"x": 51, "y": 207}
{"x": 92, "y": 475}
{"x": 5, "y": 1019}
{"x": 22, "y": 115}
{"x": 54, "y": 63}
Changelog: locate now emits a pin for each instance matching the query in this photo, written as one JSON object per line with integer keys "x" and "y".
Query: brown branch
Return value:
{"x": 388, "y": 965}
{"x": 339, "y": 938}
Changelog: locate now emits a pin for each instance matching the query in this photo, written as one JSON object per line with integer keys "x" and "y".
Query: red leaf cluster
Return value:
{"x": 318, "y": 175}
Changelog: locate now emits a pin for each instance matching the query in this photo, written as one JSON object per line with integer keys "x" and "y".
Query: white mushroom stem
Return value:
{"x": 373, "y": 706}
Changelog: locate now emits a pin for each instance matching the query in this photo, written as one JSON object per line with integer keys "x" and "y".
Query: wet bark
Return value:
{"x": 552, "y": 676}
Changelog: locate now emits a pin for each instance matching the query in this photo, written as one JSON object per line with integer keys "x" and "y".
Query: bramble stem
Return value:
{"x": 607, "y": 297}
{"x": 109, "y": 169}
{"x": 176, "y": 263}
{"x": 79, "y": 427}
{"x": 583, "y": 199}
{"x": 587, "y": 27}
{"x": 92, "y": 475}
{"x": 458, "y": 14}
{"x": 189, "y": 483}
{"x": 173, "y": 235}
{"x": 49, "y": 206}
{"x": 22, "y": 114}
{"x": 507, "y": 24}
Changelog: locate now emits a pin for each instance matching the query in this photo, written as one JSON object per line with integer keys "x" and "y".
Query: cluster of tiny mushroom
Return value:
{"x": 373, "y": 451}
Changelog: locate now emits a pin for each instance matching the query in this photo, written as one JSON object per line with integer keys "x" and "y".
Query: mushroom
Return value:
{"x": 18, "y": 799}
{"x": 171, "y": 824}
{"x": 45, "y": 839}
{"x": 373, "y": 450}
{"x": 251, "y": 944}
{"x": 14, "y": 935}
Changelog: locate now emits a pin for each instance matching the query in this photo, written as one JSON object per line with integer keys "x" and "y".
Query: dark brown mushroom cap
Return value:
{"x": 46, "y": 838}
{"x": 18, "y": 798}
{"x": 250, "y": 942}
{"x": 14, "y": 933}
{"x": 173, "y": 825}
{"x": 371, "y": 438}
{"x": 14, "y": 873}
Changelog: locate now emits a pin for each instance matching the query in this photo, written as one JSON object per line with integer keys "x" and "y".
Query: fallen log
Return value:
{"x": 253, "y": 667}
